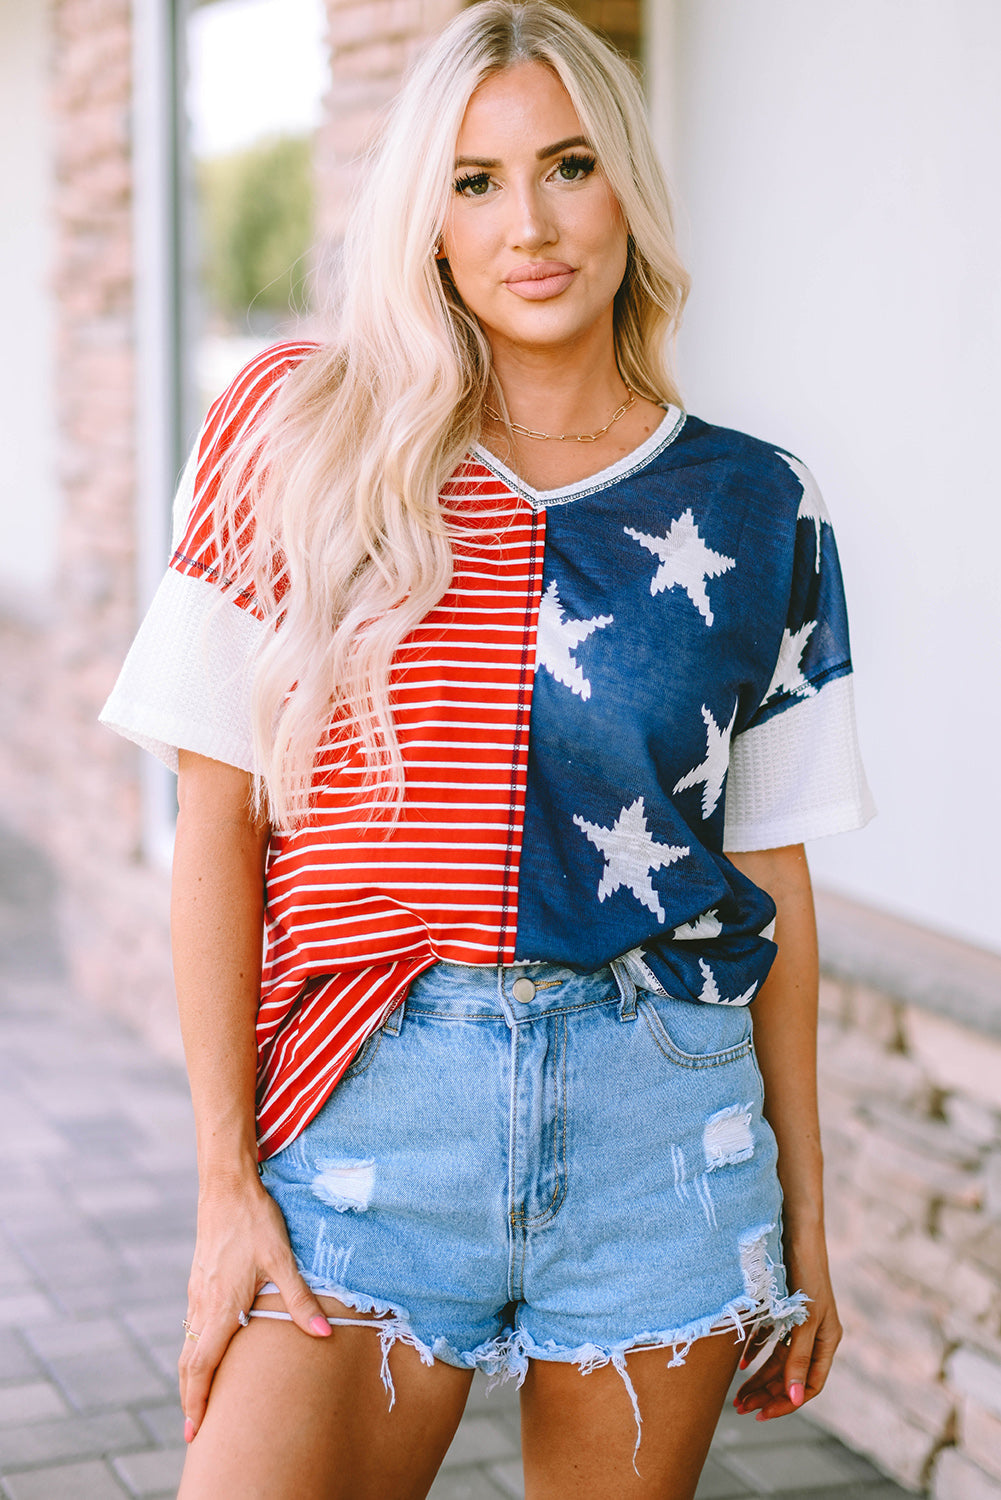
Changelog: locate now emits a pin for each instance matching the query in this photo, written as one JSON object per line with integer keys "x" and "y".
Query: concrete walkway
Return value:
{"x": 97, "y": 1199}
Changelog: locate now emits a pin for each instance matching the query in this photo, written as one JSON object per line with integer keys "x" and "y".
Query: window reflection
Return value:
{"x": 257, "y": 71}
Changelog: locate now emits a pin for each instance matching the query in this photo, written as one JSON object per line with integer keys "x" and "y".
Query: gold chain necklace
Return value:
{"x": 568, "y": 437}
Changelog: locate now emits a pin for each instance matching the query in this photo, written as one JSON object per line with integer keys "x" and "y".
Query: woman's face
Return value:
{"x": 535, "y": 238}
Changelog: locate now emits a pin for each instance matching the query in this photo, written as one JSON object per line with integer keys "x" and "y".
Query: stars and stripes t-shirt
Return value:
{"x": 625, "y": 677}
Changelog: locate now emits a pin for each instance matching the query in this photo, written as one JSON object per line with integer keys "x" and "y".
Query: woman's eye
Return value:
{"x": 473, "y": 187}
{"x": 575, "y": 168}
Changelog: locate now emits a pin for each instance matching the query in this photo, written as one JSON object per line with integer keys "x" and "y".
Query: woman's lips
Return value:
{"x": 540, "y": 279}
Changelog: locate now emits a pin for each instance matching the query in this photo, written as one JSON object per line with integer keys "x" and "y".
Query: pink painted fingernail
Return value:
{"x": 320, "y": 1326}
{"x": 797, "y": 1394}
{"x": 189, "y": 1430}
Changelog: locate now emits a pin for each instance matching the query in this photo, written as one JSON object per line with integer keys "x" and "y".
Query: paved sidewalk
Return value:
{"x": 97, "y": 1202}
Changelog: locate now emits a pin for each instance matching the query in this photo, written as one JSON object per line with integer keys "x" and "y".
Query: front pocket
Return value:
{"x": 364, "y": 1057}
{"x": 661, "y": 1016}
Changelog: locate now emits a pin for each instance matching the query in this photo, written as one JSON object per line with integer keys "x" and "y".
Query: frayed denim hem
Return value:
{"x": 506, "y": 1356}
{"x": 392, "y": 1325}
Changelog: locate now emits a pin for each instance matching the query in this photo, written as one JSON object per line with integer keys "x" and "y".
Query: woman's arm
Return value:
{"x": 217, "y": 915}
{"x": 785, "y": 1039}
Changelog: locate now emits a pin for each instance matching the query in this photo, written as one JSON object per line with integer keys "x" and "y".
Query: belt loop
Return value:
{"x": 627, "y": 990}
{"x": 391, "y": 1025}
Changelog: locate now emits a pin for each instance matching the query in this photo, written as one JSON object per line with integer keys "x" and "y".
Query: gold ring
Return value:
{"x": 189, "y": 1332}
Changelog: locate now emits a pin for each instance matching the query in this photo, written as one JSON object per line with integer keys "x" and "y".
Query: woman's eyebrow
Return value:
{"x": 557, "y": 149}
{"x": 561, "y": 146}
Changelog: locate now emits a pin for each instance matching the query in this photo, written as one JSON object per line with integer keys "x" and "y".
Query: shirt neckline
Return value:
{"x": 663, "y": 435}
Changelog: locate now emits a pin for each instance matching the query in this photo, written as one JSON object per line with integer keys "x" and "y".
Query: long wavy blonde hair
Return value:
{"x": 347, "y": 465}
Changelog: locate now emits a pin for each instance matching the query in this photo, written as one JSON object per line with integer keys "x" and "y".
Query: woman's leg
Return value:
{"x": 578, "y": 1432}
{"x": 295, "y": 1418}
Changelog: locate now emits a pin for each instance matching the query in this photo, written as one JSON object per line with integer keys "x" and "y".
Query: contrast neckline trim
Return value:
{"x": 662, "y": 436}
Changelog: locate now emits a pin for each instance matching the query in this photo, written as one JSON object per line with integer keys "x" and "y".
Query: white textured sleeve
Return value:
{"x": 799, "y": 775}
{"x": 186, "y": 682}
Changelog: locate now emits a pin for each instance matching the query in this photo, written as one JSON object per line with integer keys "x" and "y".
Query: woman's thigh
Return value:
{"x": 296, "y": 1418}
{"x": 579, "y": 1432}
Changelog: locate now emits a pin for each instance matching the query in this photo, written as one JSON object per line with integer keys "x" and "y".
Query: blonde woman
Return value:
{"x": 475, "y": 654}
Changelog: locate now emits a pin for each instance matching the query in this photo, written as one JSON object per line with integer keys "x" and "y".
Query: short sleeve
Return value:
{"x": 795, "y": 769}
{"x": 187, "y": 682}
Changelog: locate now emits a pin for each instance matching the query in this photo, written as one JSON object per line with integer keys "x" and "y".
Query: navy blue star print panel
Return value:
{"x": 684, "y": 603}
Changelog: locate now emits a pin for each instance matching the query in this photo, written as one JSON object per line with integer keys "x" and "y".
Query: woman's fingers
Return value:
{"x": 300, "y": 1302}
{"x": 199, "y": 1359}
{"x": 201, "y": 1356}
{"x": 793, "y": 1373}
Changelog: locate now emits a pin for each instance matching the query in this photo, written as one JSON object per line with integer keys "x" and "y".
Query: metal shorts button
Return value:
{"x": 523, "y": 990}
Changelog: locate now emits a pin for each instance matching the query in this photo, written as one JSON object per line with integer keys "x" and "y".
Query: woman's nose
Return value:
{"x": 531, "y": 225}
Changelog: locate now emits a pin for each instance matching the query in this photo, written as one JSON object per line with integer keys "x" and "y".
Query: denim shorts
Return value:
{"x": 530, "y": 1163}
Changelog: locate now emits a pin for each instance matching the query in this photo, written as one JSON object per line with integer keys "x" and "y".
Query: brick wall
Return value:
{"x": 69, "y": 782}
{"x": 912, "y": 1131}
{"x": 371, "y": 42}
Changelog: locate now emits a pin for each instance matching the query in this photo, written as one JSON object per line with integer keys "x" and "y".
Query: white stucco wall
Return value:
{"x": 28, "y": 504}
{"x": 839, "y": 174}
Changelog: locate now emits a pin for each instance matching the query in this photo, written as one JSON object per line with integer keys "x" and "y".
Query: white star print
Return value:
{"x": 787, "y": 677}
{"x": 686, "y": 561}
{"x": 811, "y": 507}
{"x": 630, "y": 853}
{"x": 706, "y": 925}
{"x": 556, "y": 638}
{"x": 710, "y": 990}
{"x": 713, "y": 769}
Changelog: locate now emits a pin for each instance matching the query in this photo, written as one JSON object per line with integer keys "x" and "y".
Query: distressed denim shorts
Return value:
{"x": 530, "y": 1163}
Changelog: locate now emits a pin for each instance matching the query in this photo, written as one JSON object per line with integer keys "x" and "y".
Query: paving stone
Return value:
{"x": 165, "y": 1424}
{"x": 155, "y": 1473}
{"x": 793, "y": 1467}
{"x": 164, "y": 1358}
{"x": 478, "y": 1440}
{"x": 97, "y": 1297}
{"x": 717, "y": 1483}
{"x": 92, "y": 1481}
{"x": 173, "y": 1255}
{"x": 956, "y": 1478}
{"x": 143, "y": 1231}
{"x": 66, "y": 1338}
{"x": 509, "y": 1478}
{"x": 30, "y": 1401}
{"x": 15, "y": 1274}
{"x": 110, "y": 1377}
{"x": 75, "y": 1437}
{"x": 26, "y": 1308}
{"x": 17, "y": 1362}
{"x": 154, "y": 1323}
{"x": 464, "y": 1484}
{"x": 744, "y": 1431}
{"x": 112, "y": 1133}
{"x": 125, "y": 1195}
{"x": 885, "y": 1490}
{"x": 502, "y": 1400}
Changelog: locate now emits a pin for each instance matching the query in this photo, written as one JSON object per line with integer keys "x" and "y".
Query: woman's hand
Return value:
{"x": 796, "y": 1369}
{"x": 242, "y": 1244}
